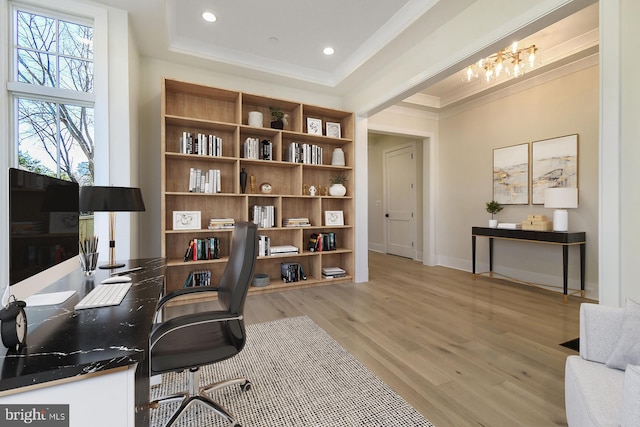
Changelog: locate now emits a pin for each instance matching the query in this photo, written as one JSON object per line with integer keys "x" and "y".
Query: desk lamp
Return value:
{"x": 561, "y": 199}
{"x": 112, "y": 200}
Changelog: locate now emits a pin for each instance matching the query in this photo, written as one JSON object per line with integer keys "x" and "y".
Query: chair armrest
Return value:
{"x": 600, "y": 329}
{"x": 182, "y": 292}
{"x": 181, "y": 323}
{"x": 630, "y": 413}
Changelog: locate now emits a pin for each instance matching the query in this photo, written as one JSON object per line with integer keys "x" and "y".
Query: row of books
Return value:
{"x": 304, "y": 153}
{"x": 264, "y": 216}
{"x": 198, "y": 278}
{"x": 291, "y": 272}
{"x": 203, "y": 249}
{"x": 203, "y": 145}
{"x": 254, "y": 148}
{"x": 216, "y": 223}
{"x": 319, "y": 242}
{"x": 296, "y": 222}
{"x": 204, "y": 181}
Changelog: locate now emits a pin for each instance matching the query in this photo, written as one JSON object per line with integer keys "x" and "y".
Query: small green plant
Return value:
{"x": 338, "y": 179}
{"x": 493, "y": 207}
{"x": 277, "y": 115}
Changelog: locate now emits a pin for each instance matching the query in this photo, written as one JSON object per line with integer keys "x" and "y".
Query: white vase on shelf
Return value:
{"x": 337, "y": 159}
{"x": 337, "y": 190}
{"x": 493, "y": 223}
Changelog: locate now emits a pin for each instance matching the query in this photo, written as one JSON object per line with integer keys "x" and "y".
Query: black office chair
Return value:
{"x": 194, "y": 340}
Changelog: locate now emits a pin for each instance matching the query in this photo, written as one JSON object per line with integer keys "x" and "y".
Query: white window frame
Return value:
{"x": 100, "y": 98}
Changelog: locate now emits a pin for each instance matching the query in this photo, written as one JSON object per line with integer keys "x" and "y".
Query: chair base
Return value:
{"x": 198, "y": 394}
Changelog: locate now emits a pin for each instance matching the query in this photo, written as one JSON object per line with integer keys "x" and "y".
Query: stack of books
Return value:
{"x": 283, "y": 249}
{"x": 304, "y": 153}
{"x": 216, "y": 223}
{"x": 332, "y": 272}
{"x": 253, "y": 148}
{"x": 510, "y": 226}
{"x": 296, "y": 222}
{"x": 319, "y": 242}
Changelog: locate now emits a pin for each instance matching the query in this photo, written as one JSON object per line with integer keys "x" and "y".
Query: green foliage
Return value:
{"x": 493, "y": 207}
{"x": 276, "y": 114}
{"x": 338, "y": 179}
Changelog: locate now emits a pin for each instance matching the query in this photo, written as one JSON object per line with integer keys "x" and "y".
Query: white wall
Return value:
{"x": 566, "y": 105}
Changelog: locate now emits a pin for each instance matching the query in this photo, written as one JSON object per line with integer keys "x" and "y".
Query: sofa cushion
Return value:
{"x": 593, "y": 393}
{"x": 627, "y": 350}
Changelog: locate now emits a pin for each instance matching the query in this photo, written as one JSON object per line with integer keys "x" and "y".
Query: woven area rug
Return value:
{"x": 301, "y": 377}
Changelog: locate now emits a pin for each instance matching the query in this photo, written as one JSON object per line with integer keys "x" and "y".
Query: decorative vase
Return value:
{"x": 243, "y": 180}
{"x": 277, "y": 124}
{"x": 255, "y": 118}
{"x": 338, "y": 157}
{"x": 337, "y": 190}
{"x": 493, "y": 223}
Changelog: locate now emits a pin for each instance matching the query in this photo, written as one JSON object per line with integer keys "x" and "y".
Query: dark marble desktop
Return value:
{"x": 63, "y": 343}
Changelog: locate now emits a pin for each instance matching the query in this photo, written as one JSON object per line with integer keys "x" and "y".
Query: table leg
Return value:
{"x": 565, "y": 272}
{"x": 490, "y": 256}
{"x": 583, "y": 248}
{"x": 473, "y": 255}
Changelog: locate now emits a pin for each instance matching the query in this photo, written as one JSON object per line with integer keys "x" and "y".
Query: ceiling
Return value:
{"x": 281, "y": 42}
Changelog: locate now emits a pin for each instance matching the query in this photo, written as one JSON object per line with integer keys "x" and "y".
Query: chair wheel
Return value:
{"x": 246, "y": 386}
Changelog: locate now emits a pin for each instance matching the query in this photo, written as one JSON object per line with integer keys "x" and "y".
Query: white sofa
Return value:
{"x": 597, "y": 394}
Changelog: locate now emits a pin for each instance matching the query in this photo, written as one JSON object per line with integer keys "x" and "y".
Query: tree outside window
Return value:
{"x": 54, "y": 65}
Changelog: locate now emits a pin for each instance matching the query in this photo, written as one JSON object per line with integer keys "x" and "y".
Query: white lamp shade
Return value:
{"x": 561, "y": 198}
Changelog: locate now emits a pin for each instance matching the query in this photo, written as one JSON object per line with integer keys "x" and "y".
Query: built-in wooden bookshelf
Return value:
{"x": 194, "y": 108}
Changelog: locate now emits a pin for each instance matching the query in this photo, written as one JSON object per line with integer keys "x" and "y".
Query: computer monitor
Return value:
{"x": 43, "y": 229}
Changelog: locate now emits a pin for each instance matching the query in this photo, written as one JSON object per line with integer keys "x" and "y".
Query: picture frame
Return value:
{"x": 554, "y": 163}
{"x": 314, "y": 126}
{"x": 511, "y": 175}
{"x": 333, "y": 218}
{"x": 332, "y": 129}
{"x": 186, "y": 220}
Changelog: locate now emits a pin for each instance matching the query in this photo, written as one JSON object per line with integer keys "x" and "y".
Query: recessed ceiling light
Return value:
{"x": 209, "y": 17}
{"x": 328, "y": 51}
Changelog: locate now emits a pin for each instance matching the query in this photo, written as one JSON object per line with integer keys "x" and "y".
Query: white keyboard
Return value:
{"x": 104, "y": 296}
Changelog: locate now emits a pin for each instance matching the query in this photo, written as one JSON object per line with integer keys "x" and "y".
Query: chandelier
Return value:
{"x": 508, "y": 62}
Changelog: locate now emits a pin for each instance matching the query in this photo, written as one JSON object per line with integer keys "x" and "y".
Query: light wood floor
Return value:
{"x": 462, "y": 352}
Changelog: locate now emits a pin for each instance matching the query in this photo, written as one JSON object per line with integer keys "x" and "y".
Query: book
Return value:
{"x": 284, "y": 249}
{"x": 510, "y": 226}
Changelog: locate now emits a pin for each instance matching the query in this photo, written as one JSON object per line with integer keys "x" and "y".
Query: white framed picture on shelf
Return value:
{"x": 333, "y": 130}
{"x": 186, "y": 220}
{"x": 314, "y": 126}
{"x": 333, "y": 218}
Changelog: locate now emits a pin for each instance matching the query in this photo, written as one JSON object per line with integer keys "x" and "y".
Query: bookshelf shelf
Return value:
{"x": 190, "y": 109}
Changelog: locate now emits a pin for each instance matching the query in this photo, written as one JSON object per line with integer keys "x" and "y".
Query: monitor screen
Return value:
{"x": 44, "y": 223}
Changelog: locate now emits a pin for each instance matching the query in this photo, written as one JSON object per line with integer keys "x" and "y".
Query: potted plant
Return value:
{"x": 278, "y": 118}
{"x": 493, "y": 208}
{"x": 337, "y": 187}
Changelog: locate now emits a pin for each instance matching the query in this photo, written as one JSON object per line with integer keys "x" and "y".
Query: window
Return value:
{"x": 52, "y": 92}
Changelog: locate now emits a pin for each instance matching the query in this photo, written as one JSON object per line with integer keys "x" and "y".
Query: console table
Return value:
{"x": 565, "y": 239}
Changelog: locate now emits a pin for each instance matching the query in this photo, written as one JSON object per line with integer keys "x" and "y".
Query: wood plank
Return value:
{"x": 463, "y": 352}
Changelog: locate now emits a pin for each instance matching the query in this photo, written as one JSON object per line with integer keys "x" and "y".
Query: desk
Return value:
{"x": 565, "y": 239}
{"x": 69, "y": 353}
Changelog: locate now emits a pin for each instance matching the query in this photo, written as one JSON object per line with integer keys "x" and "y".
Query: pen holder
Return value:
{"x": 88, "y": 263}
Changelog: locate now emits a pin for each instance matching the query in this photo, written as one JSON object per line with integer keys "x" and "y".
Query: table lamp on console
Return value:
{"x": 112, "y": 200}
{"x": 561, "y": 199}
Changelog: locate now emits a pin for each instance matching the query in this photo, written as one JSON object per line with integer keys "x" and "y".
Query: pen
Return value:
{"x": 131, "y": 270}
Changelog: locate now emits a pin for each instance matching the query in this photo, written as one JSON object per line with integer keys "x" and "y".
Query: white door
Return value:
{"x": 400, "y": 200}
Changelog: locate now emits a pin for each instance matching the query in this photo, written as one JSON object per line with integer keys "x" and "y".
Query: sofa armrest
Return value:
{"x": 600, "y": 329}
{"x": 630, "y": 413}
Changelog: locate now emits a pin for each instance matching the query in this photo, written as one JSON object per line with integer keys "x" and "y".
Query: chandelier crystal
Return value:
{"x": 506, "y": 63}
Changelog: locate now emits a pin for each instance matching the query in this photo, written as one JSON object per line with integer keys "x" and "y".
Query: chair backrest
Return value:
{"x": 237, "y": 275}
